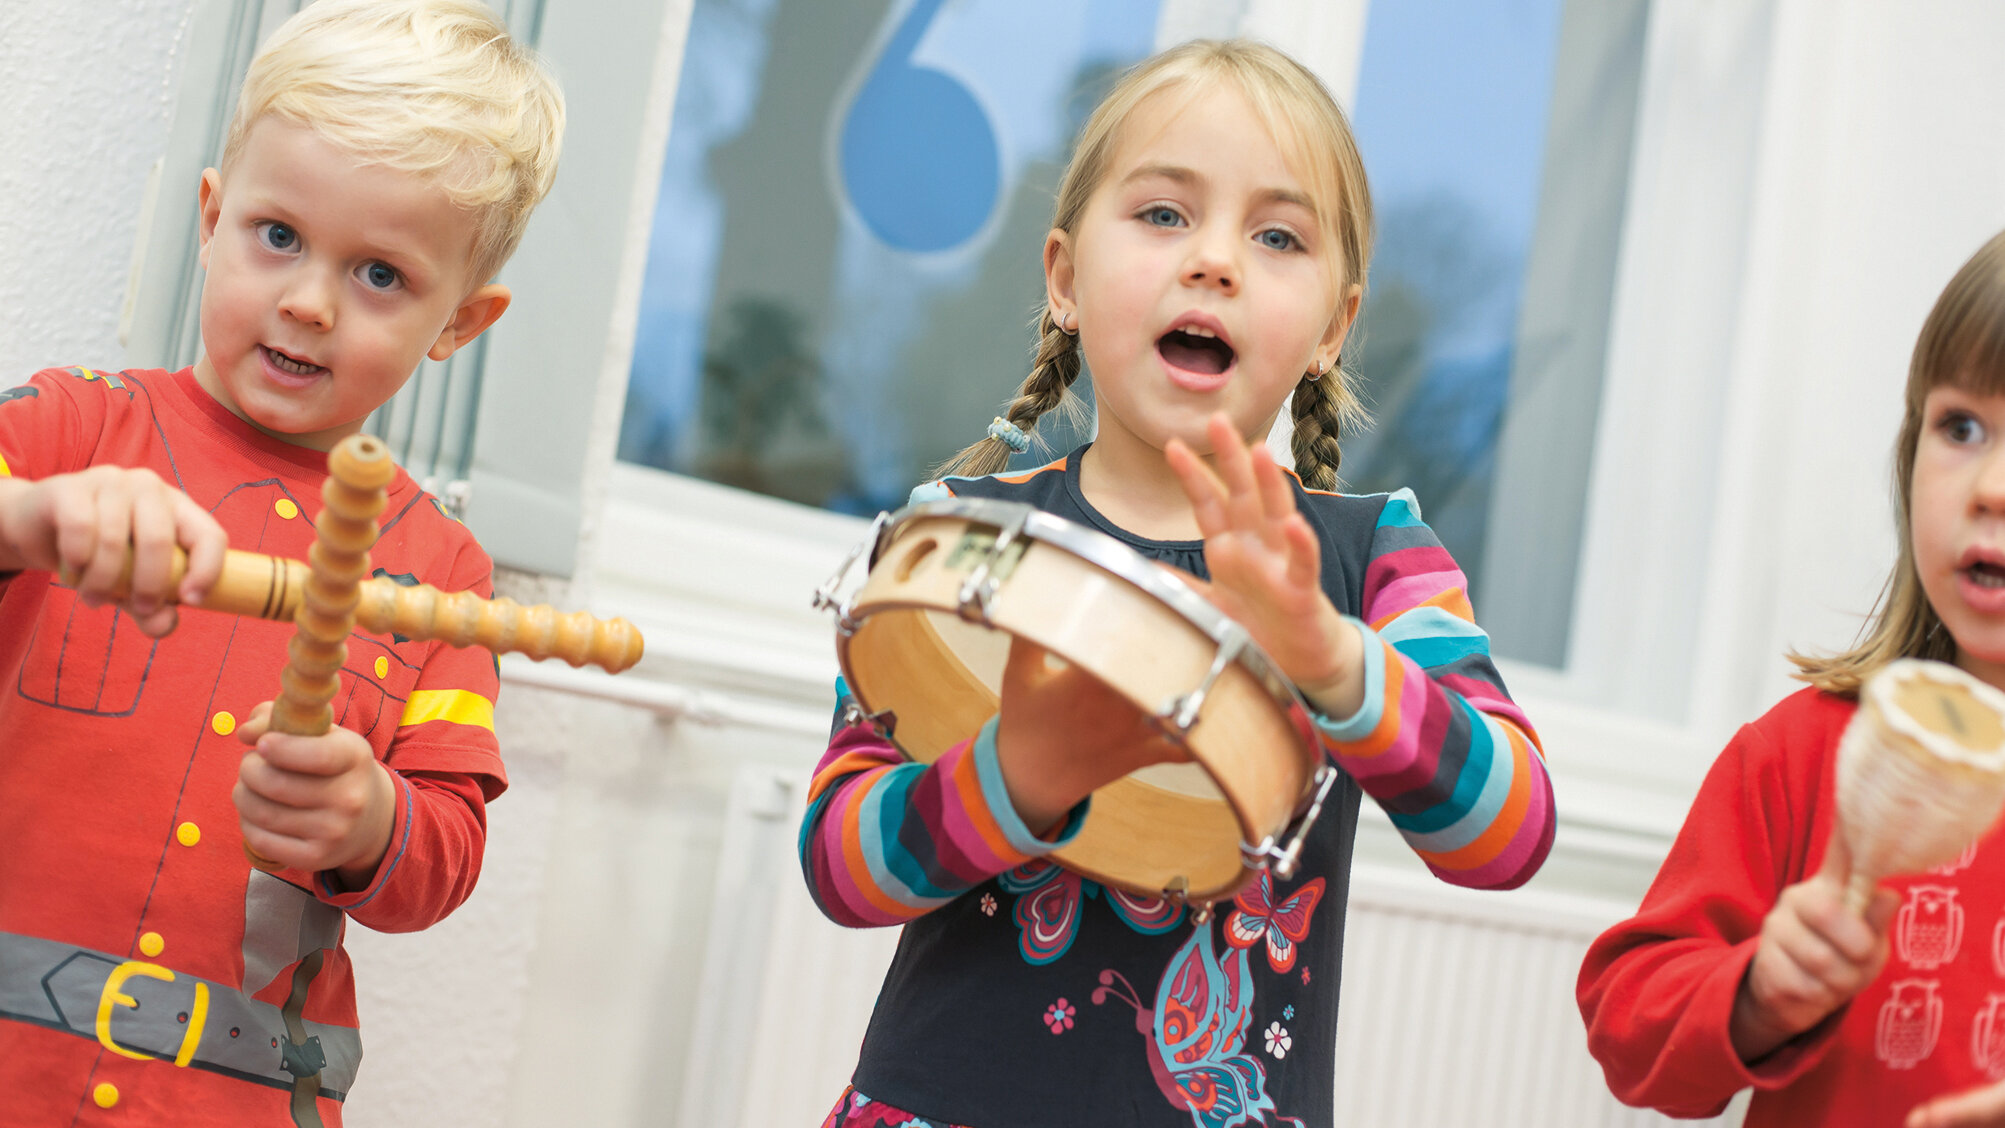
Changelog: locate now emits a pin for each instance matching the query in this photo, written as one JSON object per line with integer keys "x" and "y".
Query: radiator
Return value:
{"x": 1488, "y": 1035}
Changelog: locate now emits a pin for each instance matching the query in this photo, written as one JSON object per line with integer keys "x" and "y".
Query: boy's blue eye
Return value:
{"x": 1162, "y": 216}
{"x": 278, "y": 236}
{"x": 1275, "y": 239}
{"x": 379, "y": 276}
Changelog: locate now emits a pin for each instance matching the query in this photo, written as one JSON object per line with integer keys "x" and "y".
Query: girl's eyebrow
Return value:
{"x": 1191, "y": 178}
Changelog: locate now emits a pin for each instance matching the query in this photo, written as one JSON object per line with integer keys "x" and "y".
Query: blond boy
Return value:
{"x": 383, "y": 160}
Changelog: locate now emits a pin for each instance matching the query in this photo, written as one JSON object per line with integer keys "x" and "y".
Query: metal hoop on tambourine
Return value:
{"x": 923, "y": 642}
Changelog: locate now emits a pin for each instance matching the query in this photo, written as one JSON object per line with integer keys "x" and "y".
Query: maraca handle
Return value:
{"x": 1859, "y": 890}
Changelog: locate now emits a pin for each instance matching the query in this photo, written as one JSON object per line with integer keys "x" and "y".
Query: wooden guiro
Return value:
{"x": 331, "y": 594}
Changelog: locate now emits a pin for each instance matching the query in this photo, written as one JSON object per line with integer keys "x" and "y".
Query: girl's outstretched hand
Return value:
{"x": 1266, "y": 567}
{"x": 1064, "y": 733}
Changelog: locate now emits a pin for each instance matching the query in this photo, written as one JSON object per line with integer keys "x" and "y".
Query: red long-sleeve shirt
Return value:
{"x": 1657, "y": 990}
{"x": 145, "y": 968}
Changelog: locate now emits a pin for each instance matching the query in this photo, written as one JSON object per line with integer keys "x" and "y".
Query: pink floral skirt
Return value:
{"x": 855, "y": 1110}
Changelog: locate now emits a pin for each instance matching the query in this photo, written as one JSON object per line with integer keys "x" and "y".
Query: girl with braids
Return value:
{"x": 1206, "y": 260}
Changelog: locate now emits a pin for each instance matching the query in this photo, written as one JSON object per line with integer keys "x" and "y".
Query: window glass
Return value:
{"x": 846, "y": 248}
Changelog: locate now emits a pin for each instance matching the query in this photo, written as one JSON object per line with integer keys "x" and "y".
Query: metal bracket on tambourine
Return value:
{"x": 824, "y": 597}
{"x": 884, "y": 722}
{"x": 980, "y": 586}
{"x": 1282, "y": 859}
{"x": 1177, "y": 892}
{"x": 1180, "y": 712}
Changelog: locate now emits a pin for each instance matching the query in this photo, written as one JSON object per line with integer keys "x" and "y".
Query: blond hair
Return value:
{"x": 1305, "y": 121}
{"x": 1962, "y": 343}
{"x": 432, "y": 87}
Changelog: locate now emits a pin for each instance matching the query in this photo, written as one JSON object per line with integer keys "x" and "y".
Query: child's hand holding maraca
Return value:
{"x": 1814, "y": 954}
{"x": 1266, "y": 567}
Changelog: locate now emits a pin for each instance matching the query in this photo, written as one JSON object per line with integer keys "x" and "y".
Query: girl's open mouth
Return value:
{"x": 1986, "y": 575}
{"x": 1193, "y": 352}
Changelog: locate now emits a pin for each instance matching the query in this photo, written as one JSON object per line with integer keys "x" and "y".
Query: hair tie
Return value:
{"x": 1009, "y": 434}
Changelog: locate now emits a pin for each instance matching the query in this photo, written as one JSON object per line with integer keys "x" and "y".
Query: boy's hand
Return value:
{"x": 1813, "y": 956}
{"x": 1064, "y": 733}
{"x": 1983, "y": 1107}
{"x": 93, "y": 521}
{"x": 1266, "y": 567}
{"x": 314, "y": 802}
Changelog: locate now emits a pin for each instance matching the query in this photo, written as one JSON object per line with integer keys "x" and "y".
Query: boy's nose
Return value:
{"x": 309, "y": 300}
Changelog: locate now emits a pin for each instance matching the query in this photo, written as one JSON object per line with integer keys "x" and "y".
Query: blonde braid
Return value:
{"x": 1050, "y": 379}
{"x": 1324, "y": 408}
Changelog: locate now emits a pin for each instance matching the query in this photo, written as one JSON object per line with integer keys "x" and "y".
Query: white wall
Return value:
{"x": 89, "y": 90}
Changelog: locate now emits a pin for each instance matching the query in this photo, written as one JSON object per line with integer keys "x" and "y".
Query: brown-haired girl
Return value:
{"x": 1743, "y": 967}
{"x": 1206, "y": 261}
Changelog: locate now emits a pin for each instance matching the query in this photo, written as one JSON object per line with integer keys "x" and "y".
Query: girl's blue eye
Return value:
{"x": 278, "y": 236}
{"x": 379, "y": 276}
{"x": 1275, "y": 239}
{"x": 1161, "y": 216}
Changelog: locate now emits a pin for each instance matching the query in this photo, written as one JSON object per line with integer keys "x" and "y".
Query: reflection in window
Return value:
{"x": 1497, "y": 137}
{"x": 847, "y": 242}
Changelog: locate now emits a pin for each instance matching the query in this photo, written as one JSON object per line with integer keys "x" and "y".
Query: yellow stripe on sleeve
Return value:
{"x": 456, "y": 705}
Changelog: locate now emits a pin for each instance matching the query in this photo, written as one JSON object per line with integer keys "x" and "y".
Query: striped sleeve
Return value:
{"x": 1438, "y": 741}
{"x": 886, "y": 840}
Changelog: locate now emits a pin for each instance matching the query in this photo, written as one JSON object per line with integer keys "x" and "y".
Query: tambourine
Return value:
{"x": 923, "y": 643}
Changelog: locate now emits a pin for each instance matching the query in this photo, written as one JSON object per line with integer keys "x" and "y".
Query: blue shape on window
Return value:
{"x": 918, "y": 153}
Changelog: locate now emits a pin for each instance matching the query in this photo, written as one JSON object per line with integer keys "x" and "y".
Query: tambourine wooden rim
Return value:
{"x": 1270, "y": 806}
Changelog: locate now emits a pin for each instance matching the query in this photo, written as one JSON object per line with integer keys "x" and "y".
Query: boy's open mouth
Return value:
{"x": 285, "y": 363}
{"x": 1195, "y": 352}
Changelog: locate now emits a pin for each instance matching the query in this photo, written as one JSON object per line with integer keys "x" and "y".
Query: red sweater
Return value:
{"x": 147, "y": 974}
{"x": 1657, "y": 990}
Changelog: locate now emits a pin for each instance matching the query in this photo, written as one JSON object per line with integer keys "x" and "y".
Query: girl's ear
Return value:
{"x": 1332, "y": 344}
{"x": 479, "y": 310}
{"x": 1058, "y": 274}
{"x": 209, "y": 211}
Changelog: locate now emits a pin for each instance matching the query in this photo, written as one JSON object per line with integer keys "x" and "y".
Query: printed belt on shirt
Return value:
{"x": 146, "y": 1011}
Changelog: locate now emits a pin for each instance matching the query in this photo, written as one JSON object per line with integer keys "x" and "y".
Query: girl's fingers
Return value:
{"x": 1235, "y": 466}
{"x": 1277, "y": 501}
{"x": 1207, "y": 494}
{"x": 1305, "y": 565}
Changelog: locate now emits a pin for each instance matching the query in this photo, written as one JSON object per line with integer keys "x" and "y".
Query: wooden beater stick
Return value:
{"x": 273, "y": 587}
{"x": 359, "y": 469}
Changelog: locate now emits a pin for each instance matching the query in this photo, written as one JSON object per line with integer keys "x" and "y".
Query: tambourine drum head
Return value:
{"x": 1168, "y": 827}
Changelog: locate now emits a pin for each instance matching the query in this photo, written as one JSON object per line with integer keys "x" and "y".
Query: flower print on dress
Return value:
{"x": 854, "y": 1110}
{"x": 1288, "y": 1012}
{"x": 1197, "y": 1035}
{"x": 1285, "y": 926}
{"x": 988, "y": 904}
{"x": 1058, "y": 1016}
{"x": 1051, "y": 898}
{"x": 1278, "y": 1040}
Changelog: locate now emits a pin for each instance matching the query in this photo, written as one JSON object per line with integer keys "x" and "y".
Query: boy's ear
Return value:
{"x": 209, "y": 209}
{"x": 479, "y": 310}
